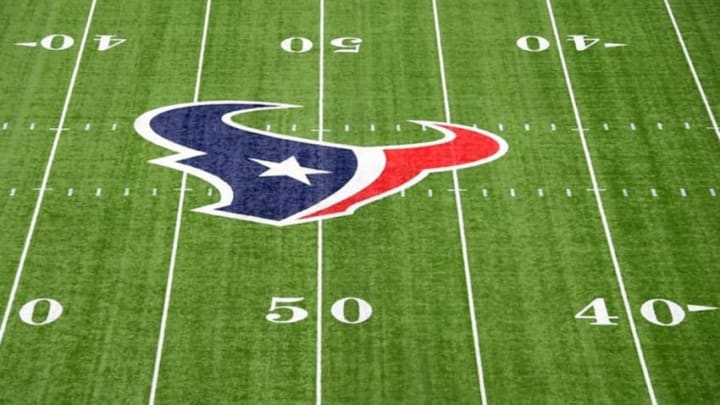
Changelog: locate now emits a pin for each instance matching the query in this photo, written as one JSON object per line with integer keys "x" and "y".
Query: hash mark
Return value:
{"x": 126, "y": 192}
{"x": 683, "y": 192}
{"x": 154, "y": 192}
{"x": 713, "y": 193}
{"x": 625, "y": 192}
{"x": 210, "y": 192}
{"x": 653, "y": 192}
{"x": 98, "y": 192}
{"x": 372, "y": 127}
{"x": 397, "y": 127}
{"x": 87, "y": 126}
{"x": 512, "y": 192}
{"x": 402, "y": 193}
{"x": 485, "y": 192}
{"x": 293, "y": 127}
{"x": 114, "y": 126}
{"x": 541, "y": 193}
{"x": 5, "y": 126}
{"x": 632, "y": 126}
{"x": 687, "y": 125}
{"x": 267, "y": 127}
{"x": 606, "y": 126}
{"x": 70, "y": 192}
{"x": 347, "y": 128}
{"x": 568, "y": 192}
{"x": 660, "y": 126}
{"x": 527, "y": 127}
{"x": 430, "y": 193}
{"x": 32, "y": 126}
{"x": 12, "y": 192}
{"x": 501, "y": 127}
{"x": 553, "y": 127}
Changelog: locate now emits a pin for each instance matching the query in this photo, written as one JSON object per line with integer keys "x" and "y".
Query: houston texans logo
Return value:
{"x": 282, "y": 180}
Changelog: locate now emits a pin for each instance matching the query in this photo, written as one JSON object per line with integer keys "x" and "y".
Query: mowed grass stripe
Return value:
{"x": 667, "y": 247}
{"x": 537, "y": 263}
{"x": 219, "y": 347}
{"x": 34, "y": 87}
{"x": 99, "y": 256}
{"x": 401, "y": 254}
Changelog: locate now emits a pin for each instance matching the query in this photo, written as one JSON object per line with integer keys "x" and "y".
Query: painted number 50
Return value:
{"x": 284, "y": 310}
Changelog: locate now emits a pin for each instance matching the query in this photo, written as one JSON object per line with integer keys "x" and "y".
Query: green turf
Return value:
{"x": 535, "y": 261}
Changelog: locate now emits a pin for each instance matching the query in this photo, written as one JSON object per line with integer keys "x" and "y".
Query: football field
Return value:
{"x": 360, "y": 202}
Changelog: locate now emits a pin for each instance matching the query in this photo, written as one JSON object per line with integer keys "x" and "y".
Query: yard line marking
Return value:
{"x": 46, "y": 175}
{"x": 178, "y": 223}
{"x": 601, "y": 208}
{"x": 691, "y": 65}
{"x": 614, "y": 45}
{"x": 461, "y": 221}
{"x": 319, "y": 270}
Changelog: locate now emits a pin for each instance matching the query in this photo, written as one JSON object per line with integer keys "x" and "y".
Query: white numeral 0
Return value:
{"x": 524, "y": 44}
{"x": 47, "y": 42}
{"x": 364, "y": 310}
{"x": 288, "y": 45}
{"x": 677, "y": 313}
{"x": 28, "y": 310}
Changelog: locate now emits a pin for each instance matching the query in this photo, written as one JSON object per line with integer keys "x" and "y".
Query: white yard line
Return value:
{"x": 460, "y": 217}
{"x": 691, "y": 65}
{"x": 321, "y": 131}
{"x": 178, "y": 224}
{"x": 46, "y": 175}
{"x": 601, "y": 209}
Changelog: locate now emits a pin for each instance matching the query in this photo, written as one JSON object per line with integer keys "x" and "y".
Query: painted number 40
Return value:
{"x": 657, "y": 311}
{"x": 287, "y": 310}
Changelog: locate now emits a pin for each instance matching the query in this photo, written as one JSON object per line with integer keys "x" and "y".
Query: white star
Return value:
{"x": 289, "y": 168}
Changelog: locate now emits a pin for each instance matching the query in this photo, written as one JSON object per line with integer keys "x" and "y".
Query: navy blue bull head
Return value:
{"x": 281, "y": 180}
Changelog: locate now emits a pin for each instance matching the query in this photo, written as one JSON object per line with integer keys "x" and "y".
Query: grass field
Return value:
{"x": 579, "y": 268}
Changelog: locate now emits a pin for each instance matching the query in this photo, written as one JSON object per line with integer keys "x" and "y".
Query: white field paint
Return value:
{"x": 46, "y": 175}
{"x": 601, "y": 209}
{"x": 319, "y": 290}
{"x": 178, "y": 223}
{"x": 694, "y": 73}
{"x": 461, "y": 220}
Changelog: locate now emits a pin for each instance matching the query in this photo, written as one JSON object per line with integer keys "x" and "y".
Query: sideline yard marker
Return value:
{"x": 601, "y": 208}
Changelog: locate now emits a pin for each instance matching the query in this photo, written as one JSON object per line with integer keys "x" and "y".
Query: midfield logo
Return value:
{"x": 281, "y": 180}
